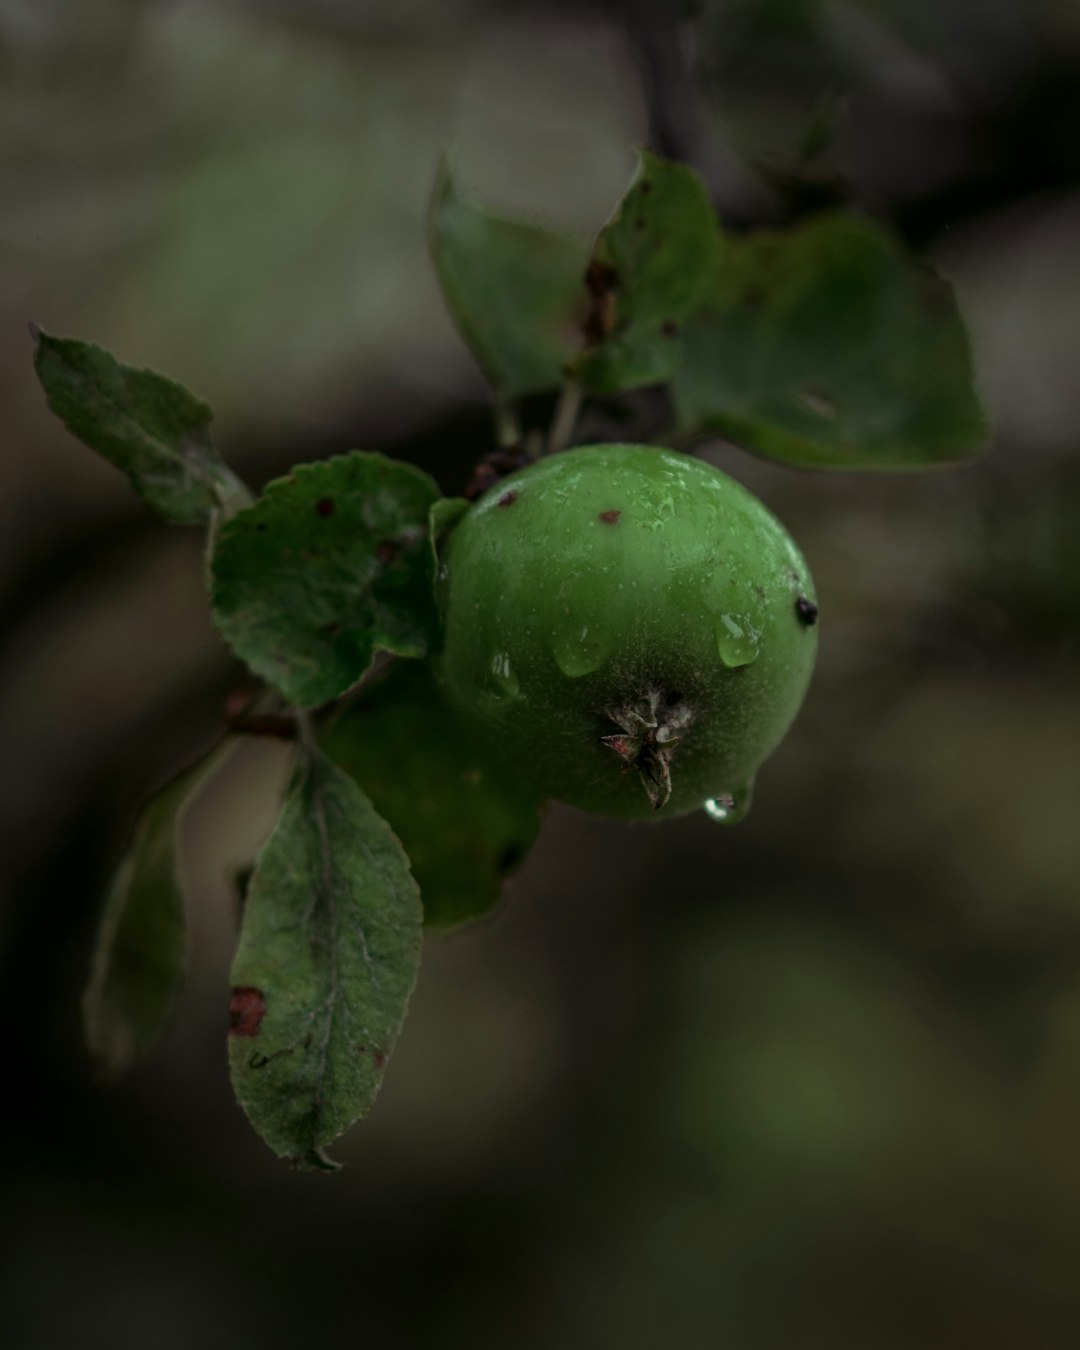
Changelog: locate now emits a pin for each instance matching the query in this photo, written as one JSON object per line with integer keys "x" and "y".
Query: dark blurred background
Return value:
{"x": 813, "y": 1082}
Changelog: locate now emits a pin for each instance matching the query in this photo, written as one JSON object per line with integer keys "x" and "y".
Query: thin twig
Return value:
{"x": 507, "y": 427}
{"x": 305, "y": 726}
{"x": 566, "y": 415}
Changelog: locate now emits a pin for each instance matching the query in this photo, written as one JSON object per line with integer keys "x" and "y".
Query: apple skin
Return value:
{"x": 627, "y": 628}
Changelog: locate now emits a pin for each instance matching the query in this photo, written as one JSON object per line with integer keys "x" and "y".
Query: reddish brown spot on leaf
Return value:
{"x": 247, "y": 1007}
{"x": 601, "y": 281}
{"x": 600, "y": 278}
{"x": 379, "y": 1058}
{"x": 386, "y": 552}
{"x": 610, "y": 517}
{"x": 508, "y": 498}
{"x": 324, "y": 507}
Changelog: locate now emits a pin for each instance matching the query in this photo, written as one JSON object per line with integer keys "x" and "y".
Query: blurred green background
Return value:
{"x": 811, "y": 1082}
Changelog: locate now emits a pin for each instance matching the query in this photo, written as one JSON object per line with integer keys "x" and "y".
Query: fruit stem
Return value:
{"x": 507, "y": 426}
{"x": 566, "y": 415}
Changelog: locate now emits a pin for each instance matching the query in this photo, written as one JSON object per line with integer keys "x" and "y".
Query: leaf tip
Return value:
{"x": 108, "y": 1040}
{"x": 443, "y": 188}
{"x": 247, "y": 1008}
{"x": 645, "y": 156}
{"x": 448, "y": 161}
{"x": 109, "y": 1063}
{"x": 315, "y": 1160}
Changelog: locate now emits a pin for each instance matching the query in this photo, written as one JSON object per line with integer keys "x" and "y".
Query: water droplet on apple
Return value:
{"x": 736, "y": 640}
{"x": 503, "y": 681}
{"x": 577, "y": 651}
{"x": 728, "y": 808}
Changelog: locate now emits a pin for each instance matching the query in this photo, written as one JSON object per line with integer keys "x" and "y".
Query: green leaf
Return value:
{"x": 827, "y": 345}
{"x": 327, "y": 960}
{"x": 329, "y": 565}
{"x": 138, "y": 964}
{"x": 653, "y": 265}
{"x": 445, "y": 514}
{"x": 442, "y": 519}
{"x": 464, "y": 825}
{"x": 146, "y": 425}
{"x": 514, "y": 288}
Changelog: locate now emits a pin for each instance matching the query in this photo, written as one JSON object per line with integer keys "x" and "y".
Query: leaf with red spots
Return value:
{"x": 247, "y": 1007}
{"x": 827, "y": 345}
{"x": 330, "y": 565}
{"x": 139, "y": 956}
{"x": 652, "y": 266}
{"x": 513, "y": 287}
{"x": 327, "y": 960}
{"x": 146, "y": 425}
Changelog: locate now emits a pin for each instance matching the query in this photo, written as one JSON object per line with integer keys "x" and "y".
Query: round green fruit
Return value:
{"x": 628, "y": 628}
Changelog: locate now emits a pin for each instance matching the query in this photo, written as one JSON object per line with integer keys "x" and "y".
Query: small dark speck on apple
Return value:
{"x": 806, "y": 610}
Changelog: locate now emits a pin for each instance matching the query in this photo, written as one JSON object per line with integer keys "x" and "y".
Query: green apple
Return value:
{"x": 628, "y": 629}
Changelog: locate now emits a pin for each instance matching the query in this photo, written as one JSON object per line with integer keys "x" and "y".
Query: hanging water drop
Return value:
{"x": 720, "y": 808}
{"x": 728, "y": 808}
